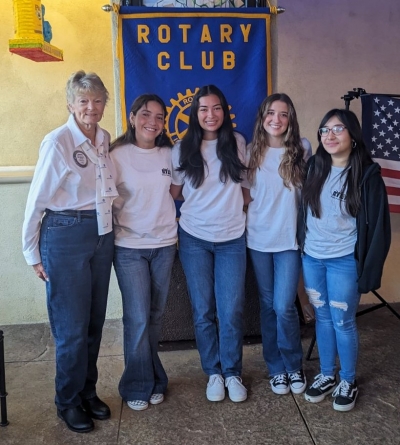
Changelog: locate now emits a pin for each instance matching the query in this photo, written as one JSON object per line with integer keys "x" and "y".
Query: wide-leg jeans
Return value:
{"x": 331, "y": 286}
{"x": 78, "y": 262}
{"x": 277, "y": 275}
{"x": 215, "y": 275}
{"x": 143, "y": 277}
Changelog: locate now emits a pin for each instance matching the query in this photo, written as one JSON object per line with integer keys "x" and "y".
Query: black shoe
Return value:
{"x": 345, "y": 396}
{"x": 96, "y": 408}
{"x": 297, "y": 382}
{"x": 76, "y": 419}
{"x": 322, "y": 386}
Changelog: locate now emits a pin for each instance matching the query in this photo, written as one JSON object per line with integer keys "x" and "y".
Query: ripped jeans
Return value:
{"x": 331, "y": 286}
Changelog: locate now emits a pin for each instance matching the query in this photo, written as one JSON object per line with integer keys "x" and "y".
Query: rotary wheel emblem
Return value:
{"x": 178, "y": 115}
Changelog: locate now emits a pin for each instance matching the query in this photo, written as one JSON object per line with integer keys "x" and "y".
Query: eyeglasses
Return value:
{"x": 336, "y": 129}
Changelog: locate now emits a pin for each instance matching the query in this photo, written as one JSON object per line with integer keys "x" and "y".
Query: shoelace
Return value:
{"x": 233, "y": 381}
{"x": 215, "y": 379}
{"x": 320, "y": 379}
{"x": 281, "y": 378}
{"x": 295, "y": 376}
{"x": 343, "y": 389}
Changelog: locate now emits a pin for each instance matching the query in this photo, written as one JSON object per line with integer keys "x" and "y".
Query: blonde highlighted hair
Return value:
{"x": 292, "y": 167}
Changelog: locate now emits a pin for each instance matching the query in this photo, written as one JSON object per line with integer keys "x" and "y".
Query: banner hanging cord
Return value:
{"x": 272, "y": 9}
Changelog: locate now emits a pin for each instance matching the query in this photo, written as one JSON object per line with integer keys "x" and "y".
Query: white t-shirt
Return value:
{"x": 144, "y": 213}
{"x": 335, "y": 233}
{"x": 272, "y": 214}
{"x": 64, "y": 179}
{"x": 214, "y": 211}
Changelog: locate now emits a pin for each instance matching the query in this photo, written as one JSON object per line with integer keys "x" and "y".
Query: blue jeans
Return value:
{"x": 215, "y": 275}
{"x": 331, "y": 286}
{"x": 277, "y": 275}
{"x": 78, "y": 262}
{"x": 143, "y": 277}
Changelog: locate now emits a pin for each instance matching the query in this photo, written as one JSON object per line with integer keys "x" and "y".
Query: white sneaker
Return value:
{"x": 215, "y": 388}
{"x": 137, "y": 405}
{"x": 155, "y": 399}
{"x": 237, "y": 392}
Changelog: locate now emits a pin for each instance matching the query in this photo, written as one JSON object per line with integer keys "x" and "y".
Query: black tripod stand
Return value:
{"x": 355, "y": 94}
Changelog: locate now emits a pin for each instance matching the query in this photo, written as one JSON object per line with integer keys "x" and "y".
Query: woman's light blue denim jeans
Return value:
{"x": 331, "y": 286}
{"x": 215, "y": 275}
{"x": 78, "y": 262}
{"x": 143, "y": 278}
{"x": 277, "y": 275}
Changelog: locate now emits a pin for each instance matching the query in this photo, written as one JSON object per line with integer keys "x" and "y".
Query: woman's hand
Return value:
{"x": 40, "y": 272}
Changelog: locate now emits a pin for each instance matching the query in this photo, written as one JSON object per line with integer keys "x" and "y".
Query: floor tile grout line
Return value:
{"x": 120, "y": 419}
{"x": 304, "y": 419}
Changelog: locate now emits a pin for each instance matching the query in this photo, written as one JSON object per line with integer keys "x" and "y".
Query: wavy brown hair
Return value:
{"x": 292, "y": 167}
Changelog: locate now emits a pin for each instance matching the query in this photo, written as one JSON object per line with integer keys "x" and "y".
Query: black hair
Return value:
{"x": 191, "y": 160}
{"x": 359, "y": 157}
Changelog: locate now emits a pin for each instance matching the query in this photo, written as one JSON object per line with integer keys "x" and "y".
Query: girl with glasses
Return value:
{"x": 345, "y": 237}
{"x": 277, "y": 164}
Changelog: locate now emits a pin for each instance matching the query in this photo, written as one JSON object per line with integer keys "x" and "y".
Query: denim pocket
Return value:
{"x": 57, "y": 222}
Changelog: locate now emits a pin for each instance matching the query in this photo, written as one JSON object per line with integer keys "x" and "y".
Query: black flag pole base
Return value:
{"x": 3, "y": 393}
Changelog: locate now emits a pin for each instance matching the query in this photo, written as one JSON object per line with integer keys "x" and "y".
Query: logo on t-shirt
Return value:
{"x": 166, "y": 172}
{"x": 336, "y": 194}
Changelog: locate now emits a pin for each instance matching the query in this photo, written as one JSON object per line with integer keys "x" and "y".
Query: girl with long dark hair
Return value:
{"x": 145, "y": 246}
{"x": 346, "y": 238}
{"x": 208, "y": 166}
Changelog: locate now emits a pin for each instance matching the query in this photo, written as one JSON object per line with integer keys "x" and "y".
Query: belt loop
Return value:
{"x": 79, "y": 215}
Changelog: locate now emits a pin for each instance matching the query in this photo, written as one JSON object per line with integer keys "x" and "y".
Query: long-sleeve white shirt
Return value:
{"x": 64, "y": 179}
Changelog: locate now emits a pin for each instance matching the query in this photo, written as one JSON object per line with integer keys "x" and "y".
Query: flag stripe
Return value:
{"x": 390, "y": 182}
{"x": 390, "y": 173}
{"x": 393, "y": 191}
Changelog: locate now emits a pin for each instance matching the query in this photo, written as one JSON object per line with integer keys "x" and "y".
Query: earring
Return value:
{"x": 353, "y": 144}
{"x": 133, "y": 127}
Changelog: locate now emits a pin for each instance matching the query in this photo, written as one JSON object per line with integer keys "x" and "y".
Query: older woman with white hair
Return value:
{"x": 68, "y": 239}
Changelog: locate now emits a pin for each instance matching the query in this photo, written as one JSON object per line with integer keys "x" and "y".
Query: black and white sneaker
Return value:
{"x": 322, "y": 386}
{"x": 345, "y": 396}
{"x": 297, "y": 382}
{"x": 280, "y": 384}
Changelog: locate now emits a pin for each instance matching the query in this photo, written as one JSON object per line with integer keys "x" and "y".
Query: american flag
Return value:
{"x": 381, "y": 132}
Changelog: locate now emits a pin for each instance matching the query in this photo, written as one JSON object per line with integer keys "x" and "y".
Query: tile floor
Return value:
{"x": 186, "y": 417}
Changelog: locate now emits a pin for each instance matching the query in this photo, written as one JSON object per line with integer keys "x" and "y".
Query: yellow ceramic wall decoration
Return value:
{"x": 29, "y": 40}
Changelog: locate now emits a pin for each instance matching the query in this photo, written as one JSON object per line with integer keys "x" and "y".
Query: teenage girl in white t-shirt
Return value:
{"x": 277, "y": 159}
{"x": 145, "y": 246}
{"x": 345, "y": 234}
{"x": 207, "y": 171}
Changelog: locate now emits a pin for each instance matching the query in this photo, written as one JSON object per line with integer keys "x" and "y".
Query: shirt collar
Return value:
{"x": 77, "y": 135}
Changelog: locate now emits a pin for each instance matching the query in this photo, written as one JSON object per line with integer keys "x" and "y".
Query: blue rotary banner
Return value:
{"x": 172, "y": 52}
